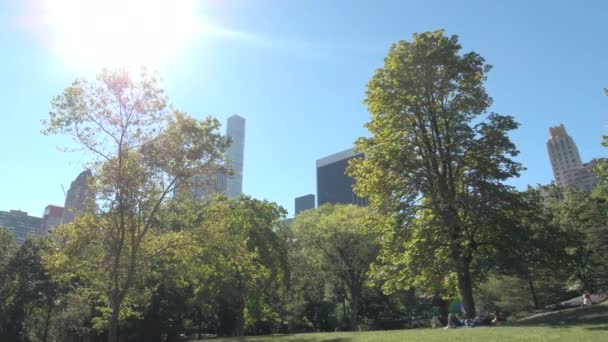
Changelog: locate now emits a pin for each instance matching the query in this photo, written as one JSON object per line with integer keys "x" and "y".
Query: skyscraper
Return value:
{"x": 235, "y": 130}
{"x": 78, "y": 197}
{"x": 333, "y": 184}
{"x": 202, "y": 186}
{"x": 304, "y": 203}
{"x": 568, "y": 169}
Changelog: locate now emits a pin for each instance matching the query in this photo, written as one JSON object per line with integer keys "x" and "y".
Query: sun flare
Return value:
{"x": 120, "y": 32}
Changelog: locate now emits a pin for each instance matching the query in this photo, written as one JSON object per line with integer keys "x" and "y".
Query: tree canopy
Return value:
{"x": 142, "y": 151}
{"x": 436, "y": 159}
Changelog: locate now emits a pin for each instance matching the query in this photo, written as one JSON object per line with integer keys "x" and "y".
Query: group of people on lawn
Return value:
{"x": 454, "y": 322}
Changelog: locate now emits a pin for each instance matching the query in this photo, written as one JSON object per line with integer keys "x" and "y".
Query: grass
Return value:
{"x": 585, "y": 324}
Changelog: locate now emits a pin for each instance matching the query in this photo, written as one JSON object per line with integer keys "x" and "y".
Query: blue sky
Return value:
{"x": 296, "y": 70}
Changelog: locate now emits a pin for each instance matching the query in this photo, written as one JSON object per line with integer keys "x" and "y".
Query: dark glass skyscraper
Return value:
{"x": 333, "y": 184}
{"x": 304, "y": 203}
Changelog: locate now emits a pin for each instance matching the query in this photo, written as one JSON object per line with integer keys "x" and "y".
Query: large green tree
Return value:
{"x": 537, "y": 249}
{"x": 436, "y": 158}
{"x": 581, "y": 218}
{"x": 335, "y": 238}
{"x": 142, "y": 151}
{"x": 245, "y": 260}
{"x": 27, "y": 292}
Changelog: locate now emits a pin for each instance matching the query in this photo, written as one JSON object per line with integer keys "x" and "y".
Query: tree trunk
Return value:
{"x": 47, "y": 322}
{"x": 533, "y": 291}
{"x": 354, "y": 309}
{"x": 199, "y": 326}
{"x": 344, "y": 308}
{"x": 442, "y": 306}
{"x": 113, "y": 324}
{"x": 462, "y": 260}
{"x": 239, "y": 327}
{"x": 465, "y": 287}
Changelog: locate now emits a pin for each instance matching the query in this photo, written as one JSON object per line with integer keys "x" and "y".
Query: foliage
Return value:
{"x": 582, "y": 221}
{"x": 538, "y": 250}
{"x": 8, "y": 246}
{"x": 506, "y": 294}
{"x": 601, "y": 172}
{"x": 436, "y": 162}
{"x": 27, "y": 292}
{"x": 597, "y": 234}
{"x": 335, "y": 240}
{"x": 246, "y": 261}
{"x": 143, "y": 153}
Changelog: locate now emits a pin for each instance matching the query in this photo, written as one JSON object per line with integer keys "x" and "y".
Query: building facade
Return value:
{"x": 304, "y": 203}
{"x": 235, "y": 130}
{"x": 52, "y": 217}
{"x": 20, "y": 223}
{"x": 333, "y": 184}
{"x": 203, "y": 186}
{"x": 568, "y": 168}
{"x": 78, "y": 197}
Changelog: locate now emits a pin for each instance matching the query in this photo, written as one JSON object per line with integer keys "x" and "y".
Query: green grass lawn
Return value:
{"x": 588, "y": 324}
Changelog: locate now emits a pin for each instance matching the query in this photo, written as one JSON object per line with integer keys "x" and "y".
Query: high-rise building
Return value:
{"x": 20, "y": 223}
{"x": 333, "y": 184}
{"x": 568, "y": 169}
{"x": 205, "y": 185}
{"x": 304, "y": 203}
{"x": 202, "y": 186}
{"x": 52, "y": 218}
{"x": 235, "y": 130}
{"x": 78, "y": 197}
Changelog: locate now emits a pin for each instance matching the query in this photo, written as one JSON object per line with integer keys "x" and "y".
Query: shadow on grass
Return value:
{"x": 339, "y": 339}
{"x": 595, "y": 315}
{"x": 290, "y": 338}
{"x": 598, "y": 328}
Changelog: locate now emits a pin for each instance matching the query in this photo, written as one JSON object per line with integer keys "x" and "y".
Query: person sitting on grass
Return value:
{"x": 453, "y": 322}
{"x": 586, "y": 299}
{"x": 498, "y": 317}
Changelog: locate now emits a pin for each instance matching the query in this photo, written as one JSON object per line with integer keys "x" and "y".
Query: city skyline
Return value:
{"x": 298, "y": 73}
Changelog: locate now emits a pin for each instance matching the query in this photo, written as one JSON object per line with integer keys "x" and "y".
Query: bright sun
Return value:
{"x": 120, "y": 32}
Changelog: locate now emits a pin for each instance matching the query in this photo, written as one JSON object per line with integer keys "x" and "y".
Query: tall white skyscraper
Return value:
{"x": 203, "y": 186}
{"x": 568, "y": 169}
{"x": 235, "y": 130}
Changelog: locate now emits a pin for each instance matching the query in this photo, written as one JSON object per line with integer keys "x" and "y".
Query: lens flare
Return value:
{"x": 98, "y": 33}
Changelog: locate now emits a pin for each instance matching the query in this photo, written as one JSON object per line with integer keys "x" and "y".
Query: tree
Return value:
{"x": 580, "y": 218}
{"x": 142, "y": 152}
{"x": 601, "y": 171}
{"x": 337, "y": 239}
{"x": 8, "y": 247}
{"x": 537, "y": 250}
{"x": 436, "y": 158}
{"x": 598, "y": 233}
{"x": 26, "y": 291}
{"x": 35, "y": 291}
{"x": 245, "y": 259}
